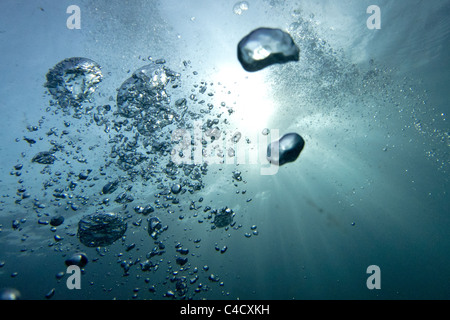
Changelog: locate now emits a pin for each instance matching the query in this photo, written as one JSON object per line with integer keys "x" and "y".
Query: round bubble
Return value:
{"x": 176, "y": 188}
{"x": 73, "y": 80}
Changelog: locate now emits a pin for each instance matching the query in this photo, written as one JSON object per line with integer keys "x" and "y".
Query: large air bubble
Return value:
{"x": 264, "y": 47}
{"x": 223, "y": 218}
{"x": 285, "y": 150}
{"x": 144, "y": 95}
{"x": 73, "y": 80}
{"x": 101, "y": 229}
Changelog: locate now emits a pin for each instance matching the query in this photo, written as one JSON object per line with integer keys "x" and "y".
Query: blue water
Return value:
{"x": 369, "y": 188}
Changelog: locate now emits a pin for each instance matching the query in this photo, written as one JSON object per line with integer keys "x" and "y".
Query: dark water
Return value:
{"x": 369, "y": 188}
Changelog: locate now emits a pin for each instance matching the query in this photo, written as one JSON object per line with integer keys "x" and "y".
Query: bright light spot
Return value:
{"x": 251, "y": 98}
{"x": 260, "y": 53}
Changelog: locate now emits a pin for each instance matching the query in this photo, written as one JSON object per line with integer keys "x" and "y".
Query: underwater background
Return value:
{"x": 370, "y": 186}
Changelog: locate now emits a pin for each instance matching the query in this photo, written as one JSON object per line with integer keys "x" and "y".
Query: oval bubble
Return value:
{"x": 101, "y": 229}
{"x": 57, "y": 221}
{"x": 286, "y": 149}
{"x": 265, "y": 46}
{"x": 78, "y": 259}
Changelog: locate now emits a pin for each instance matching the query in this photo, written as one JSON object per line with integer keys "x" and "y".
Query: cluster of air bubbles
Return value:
{"x": 109, "y": 155}
{"x": 143, "y": 97}
{"x": 254, "y": 231}
{"x": 44, "y": 157}
{"x": 224, "y": 217}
